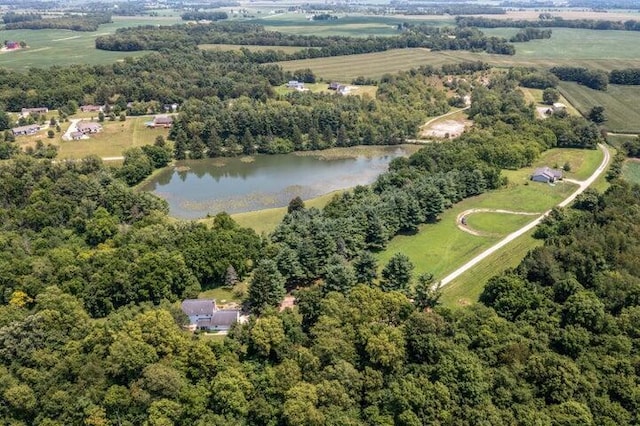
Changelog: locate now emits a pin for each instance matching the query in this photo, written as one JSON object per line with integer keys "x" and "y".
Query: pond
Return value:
{"x": 195, "y": 188}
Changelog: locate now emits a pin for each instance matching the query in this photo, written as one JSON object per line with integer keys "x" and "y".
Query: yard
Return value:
{"x": 115, "y": 138}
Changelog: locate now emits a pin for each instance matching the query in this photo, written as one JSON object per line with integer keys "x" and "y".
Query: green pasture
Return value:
{"x": 631, "y": 171}
{"x": 64, "y": 47}
{"x": 441, "y": 247}
{"x": 466, "y": 289}
{"x": 618, "y": 139}
{"x": 620, "y": 103}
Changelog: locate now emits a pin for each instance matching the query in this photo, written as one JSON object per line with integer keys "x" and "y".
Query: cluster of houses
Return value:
{"x": 204, "y": 314}
{"x": 342, "y": 89}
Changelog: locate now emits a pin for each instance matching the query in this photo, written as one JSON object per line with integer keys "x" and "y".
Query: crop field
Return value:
{"x": 115, "y": 138}
{"x": 441, "y": 247}
{"x": 631, "y": 171}
{"x": 604, "y": 50}
{"x": 63, "y": 47}
{"x": 353, "y": 25}
{"x": 620, "y": 103}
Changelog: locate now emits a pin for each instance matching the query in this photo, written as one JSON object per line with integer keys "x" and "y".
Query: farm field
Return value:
{"x": 441, "y": 247}
{"x": 116, "y": 137}
{"x": 631, "y": 171}
{"x": 604, "y": 50}
{"x": 620, "y": 104}
{"x": 64, "y": 47}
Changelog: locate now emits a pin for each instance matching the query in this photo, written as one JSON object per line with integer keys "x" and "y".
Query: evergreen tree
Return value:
{"x": 266, "y": 287}
{"x": 396, "y": 275}
{"x": 425, "y": 295}
{"x": 366, "y": 268}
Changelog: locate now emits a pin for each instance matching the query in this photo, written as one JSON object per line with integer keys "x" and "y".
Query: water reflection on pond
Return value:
{"x": 195, "y": 188}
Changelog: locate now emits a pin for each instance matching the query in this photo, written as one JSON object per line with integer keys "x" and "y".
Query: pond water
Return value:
{"x": 195, "y": 188}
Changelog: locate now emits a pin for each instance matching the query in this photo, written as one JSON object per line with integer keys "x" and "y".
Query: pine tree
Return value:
{"x": 266, "y": 287}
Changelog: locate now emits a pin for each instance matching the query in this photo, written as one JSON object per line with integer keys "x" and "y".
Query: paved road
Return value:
{"x": 506, "y": 240}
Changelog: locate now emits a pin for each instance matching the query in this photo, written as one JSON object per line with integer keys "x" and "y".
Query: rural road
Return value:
{"x": 506, "y": 240}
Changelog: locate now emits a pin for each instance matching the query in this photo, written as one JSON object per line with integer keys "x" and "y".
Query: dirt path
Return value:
{"x": 506, "y": 240}
{"x": 461, "y": 219}
{"x": 421, "y": 141}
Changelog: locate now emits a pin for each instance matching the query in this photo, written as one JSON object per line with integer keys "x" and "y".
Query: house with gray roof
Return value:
{"x": 546, "y": 174}
{"x": 204, "y": 314}
{"x": 88, "y": 127}
{"x": 31, "y": 129}
{"x": 39, "y": 110}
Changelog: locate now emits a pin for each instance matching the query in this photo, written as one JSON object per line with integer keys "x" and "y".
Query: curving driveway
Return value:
{"x": 462, "y": 225}
{"x": 506, "y": 240}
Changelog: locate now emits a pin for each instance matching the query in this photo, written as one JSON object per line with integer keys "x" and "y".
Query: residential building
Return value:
{"x": 546, "y": 174}
{"x": 39, "y": 110}
{"x": 160, "y": 121}
{"x": 204, "y": 315}
{"x": 31, "y": 129}
{"x": 295, "y": 84}
{"x": 559, "y": 106}
{"x": 92, "y": 108}
{"x": 88, "y": 127}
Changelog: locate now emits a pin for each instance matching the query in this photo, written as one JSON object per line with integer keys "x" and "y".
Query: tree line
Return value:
{"x": 179, "y": 37}
{"x": 594, "y": 79}
{"x": 203, "y": 15}
{"x": 548, "y": 22}
{"x": 67, "y": 22}
{"x": 528, "y": 34}
{"x": 11, "y": 17}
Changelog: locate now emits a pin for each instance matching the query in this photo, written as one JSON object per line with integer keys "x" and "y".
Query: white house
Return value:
{"x": 204, "y": 315}
{"x": 546, "y": 174}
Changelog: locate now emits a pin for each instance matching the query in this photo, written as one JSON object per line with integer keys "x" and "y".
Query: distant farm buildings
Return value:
{"x": 12, "y": 45}
{"x": 558, "y": 107}
{"x": 296, "y": 85}
{"x": 343, "y": 89}
{"x": 31, "y": 129}
{"x": 546, "y": 174}
{"x": 39, "y": 110}
{"x": 92, "y": 108}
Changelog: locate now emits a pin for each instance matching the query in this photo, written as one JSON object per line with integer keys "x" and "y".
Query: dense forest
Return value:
{"x": 552, "y": 342}
{"x": 595, "y": 79}
{"x": 181, "y": 37}
{"x": 67, "y": 22}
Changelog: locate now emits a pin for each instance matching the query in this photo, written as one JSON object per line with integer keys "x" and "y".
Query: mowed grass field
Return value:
{"x": 604, "y": 50}
{"x": 620, "y": 103}
{"x": 64, "y": 47}
{"x": 631, "y": 171}
{"x": 116, "y": 137}
{"x": 252, "y": 48}
{"x": 441, "y": 247}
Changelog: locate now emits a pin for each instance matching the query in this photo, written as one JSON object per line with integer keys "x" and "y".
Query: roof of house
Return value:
{"x": 35, "y": 109}
{"x": 87, "y": 125}
{"x": 559, "y": 105}
{"x": 25, "y": 128}
{"x": 198, "y": 306}
{"x": 76, "y": 134}
{"x": 220, "y": 319}
{"x": 163, "y": 119}
{"x": 547, "y": 172}
{"x": 91, "y": 107}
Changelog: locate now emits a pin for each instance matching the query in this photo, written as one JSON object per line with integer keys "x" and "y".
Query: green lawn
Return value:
{"x": 498, "y": 224}
{"x": 620, "y": 103}
{"x": 116, "y": 137}
{"x": 220, "y": 294}
{"x": 64, "y": 47}
{"x": 467, "y": 287}
{"x": 631, "y": 171}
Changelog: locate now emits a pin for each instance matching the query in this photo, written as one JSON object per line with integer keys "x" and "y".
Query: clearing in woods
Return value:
{"x": 621, "y": 107}
{"x": 631, "y": 171}
{"x": 441, "y": 247}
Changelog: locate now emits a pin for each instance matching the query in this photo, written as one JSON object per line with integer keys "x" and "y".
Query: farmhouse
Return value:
{"x": 559, "y": 106}
{"x": 295, "y": 84}
{"x": 39, "y": 110}
{"x": 85, "y": 127}
{"x": 92, "y": 108}
{"x": 76, "y": 136}
{"x": 160, "y": 121}
{"x": 204, "y": 315}
{"x": 546, "y": 174}
{"x": 31, "y": 129}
